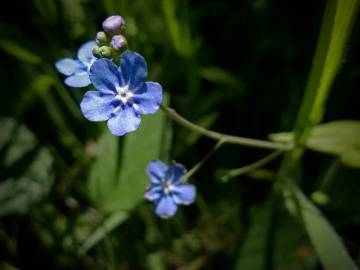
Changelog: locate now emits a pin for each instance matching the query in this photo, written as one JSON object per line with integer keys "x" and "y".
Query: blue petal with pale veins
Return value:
{"x": 184, "y": 194}
{"x": 176, "y": 172}
{"x": 156, "y": 171}
{"x": 97, "y": 106}
{"x": 67, "y": 66}
{"x": 78, "y": 80}
{"x": 104, "y": 75}
{"x": 148, "y": 98}
{"x": 133, "y": 69}
{"x": 85, "y": 54}
{"x": 166, "y": 207}
{"x": 123, "y": 120}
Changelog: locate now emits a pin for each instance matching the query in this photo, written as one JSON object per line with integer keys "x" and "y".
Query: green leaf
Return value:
{"x": 328, "y": 245}
{"x": 340, "y": 138}
{"x": 103, "y": 172}
{"x": 109, "y": 224}
{"x": 337, "y": 24}
{"x": 288, "y": 240}
{"x": 179, "y": 32}
{"x": 115, "y": 188}
{"x": 117, "y": 178}
{"x": 74, "y": 16}
{"x": 335, "y": 137}
{"x": 25, "y": 167}
{"x": 139, "y": 148}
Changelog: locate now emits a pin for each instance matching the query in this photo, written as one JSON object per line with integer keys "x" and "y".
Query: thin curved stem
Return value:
{"x": 201, "y": 162}
{"x": 224, "y": 137}
{"x": 253, "y": 166}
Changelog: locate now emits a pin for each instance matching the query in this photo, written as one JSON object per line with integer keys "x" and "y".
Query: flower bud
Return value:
{"x": 102, "y": 38}
{"x": 118, "y": 42}
{"x": 96, "y": 52}
{"x": 105, "y": 51}
{"x": 113, "y": 24}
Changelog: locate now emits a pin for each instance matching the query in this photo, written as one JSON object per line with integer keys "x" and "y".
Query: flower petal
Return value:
{"x": 153, "y": 193}
{"x": 80, "y": 79}
{"x": 176, "y": 172}
{"x": 166, "y": 207}
{"x": 104, "y": 75}
{"x": 85, "y": 54}
{"x": 123, "y": 121}
{"x": 133, "y": 69}
{"x": 184, "y": 194}
{"x": 156, "y": 171}
{"x": 148, "y": 98}
{"x": 67, "y": 66}
{"x": 97, "y": 106}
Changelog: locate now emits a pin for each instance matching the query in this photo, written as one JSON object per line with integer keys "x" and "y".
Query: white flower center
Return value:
{"x": 124, "y": 94}
{"x": 167, "y": 186}
{"x": 88, "y": 65}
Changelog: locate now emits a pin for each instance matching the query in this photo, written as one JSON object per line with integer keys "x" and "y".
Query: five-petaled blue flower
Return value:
{"x": 166, "y": 188}
{"x": 122, "y": 93}
{"x": 78, "y": 70}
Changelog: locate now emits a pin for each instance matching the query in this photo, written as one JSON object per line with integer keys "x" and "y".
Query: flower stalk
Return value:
{"x": 224, "y": 137}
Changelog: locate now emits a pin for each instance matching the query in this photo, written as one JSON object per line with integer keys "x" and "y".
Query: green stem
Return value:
{"x": 201, "y": 162}
{"x": 253, "y": 166}
{"x": 224, "y": 137}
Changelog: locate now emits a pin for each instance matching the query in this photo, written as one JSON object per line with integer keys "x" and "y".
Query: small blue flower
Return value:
{"x": 78, "y": 70}
{"x": 166, "y": 189}
{"x": 122, "y": 94}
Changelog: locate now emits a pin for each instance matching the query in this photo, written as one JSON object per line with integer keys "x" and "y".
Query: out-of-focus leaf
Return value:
{"x": 335, "y": 137}
{"x": 103, "y": 172}
{"x": 47, "y": 9}
{"x": 288, "y": 241}
{"x": 328, "y": 245}
{"x": 74, "y": 16}
{"x": 19, "y": 51}
{"x": 338, "y": 138}
{"x": 351, "y": 157}
{"x": 220, "y": 76}
{"x": 25, "y": 167}
{"x": 105, "y": 228}
{"x": 155, "y": 261}
{"x": 40, "y": 85}
{"x": 6, "y": 266}
{"x": 179, "y": 32}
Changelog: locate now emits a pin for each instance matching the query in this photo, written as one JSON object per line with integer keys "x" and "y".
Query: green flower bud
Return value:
{"x": 96, "y": 52}
{"x": 102, "y": 38}
{"x": 106, "y": 51}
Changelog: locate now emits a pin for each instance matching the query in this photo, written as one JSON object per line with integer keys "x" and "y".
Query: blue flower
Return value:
{"x": 166, "y": 189}
{"x": 78, "y": 70}
{"x": 122, "y": 94}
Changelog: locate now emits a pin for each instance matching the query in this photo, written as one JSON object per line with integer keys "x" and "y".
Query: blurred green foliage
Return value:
{"x": 71, "y": 194}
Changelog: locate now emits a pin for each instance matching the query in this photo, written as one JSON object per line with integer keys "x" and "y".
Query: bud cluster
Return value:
{"x": 111, "y": 41}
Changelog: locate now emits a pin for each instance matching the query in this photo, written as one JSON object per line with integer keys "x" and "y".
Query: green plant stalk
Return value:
{"x": 337, "y": 24}
{"x": 202, "y": 162}
{"x": 253, "y": 166}
{"x": 223, "y": 137}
